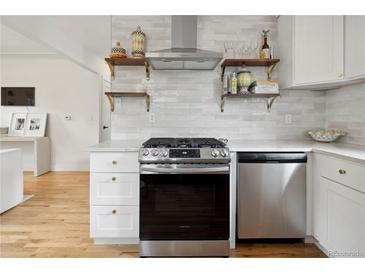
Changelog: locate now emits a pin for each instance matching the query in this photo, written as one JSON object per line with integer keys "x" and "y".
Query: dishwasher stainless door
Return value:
{"x": 272, "y": 200}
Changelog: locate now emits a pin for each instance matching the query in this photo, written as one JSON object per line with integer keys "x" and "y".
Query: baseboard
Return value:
{"x": 70, "y": 168}
{"x": 322, "y": 248}
{"x": 309, "y": 239}
{"x": 102, "y": 241}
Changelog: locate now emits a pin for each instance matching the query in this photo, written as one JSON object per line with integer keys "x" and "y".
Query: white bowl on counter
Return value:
{"x": 326, "y": 135}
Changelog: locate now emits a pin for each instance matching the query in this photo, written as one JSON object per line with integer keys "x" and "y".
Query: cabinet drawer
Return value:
{"x": 114, "y": 188}
{"x": 342, "y": 171}
{"x": 114, "y": 162}
{"x": 114, "y": 221}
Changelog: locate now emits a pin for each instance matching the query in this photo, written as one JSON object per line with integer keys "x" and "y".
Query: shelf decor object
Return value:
{"x": 250, "y": 62}
{"x": 116, "y": 61}
{"x": 269, "y": 63}
{"x": 118, "y": 51}
{"x": 270, "y": 98}
{"x": 138, "y": 43}
{"x": 112, "y": 95}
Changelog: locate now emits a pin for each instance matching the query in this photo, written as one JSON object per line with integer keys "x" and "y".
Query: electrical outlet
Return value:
{"x": 288, "y": 118}
{"x": 152, "y": 117}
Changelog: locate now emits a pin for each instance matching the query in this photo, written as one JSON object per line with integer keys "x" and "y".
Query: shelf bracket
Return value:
{"x": 111, "y": 101}
{"x": 222, "y": 103}
{"x": 112, "y": 69}
{"x": 148, "y": 102}
{"x": 147, "y": 67}
{"x": 270, "y": 102}
{"x": 223, "y": 70}
{"x": 270, "y": 70}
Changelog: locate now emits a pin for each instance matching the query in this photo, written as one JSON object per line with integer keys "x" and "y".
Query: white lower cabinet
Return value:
{"x": 114, "y": 221}
{"x": 345, "y": 210}
{"x": 339, "y": 206}
{"x": 114, "y": 197}
{"x": 114, "y": 188}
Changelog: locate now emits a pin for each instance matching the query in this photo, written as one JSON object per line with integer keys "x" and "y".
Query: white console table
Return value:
{"x": 41, "y": 157}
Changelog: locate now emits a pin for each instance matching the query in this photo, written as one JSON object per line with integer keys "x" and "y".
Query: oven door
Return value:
{"x": 183, "y": 202}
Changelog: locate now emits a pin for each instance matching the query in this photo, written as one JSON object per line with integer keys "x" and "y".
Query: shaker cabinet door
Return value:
{"x": 355, "y": 47}
{"x": 318, "y": 49}
{"x": 345, "y": 212}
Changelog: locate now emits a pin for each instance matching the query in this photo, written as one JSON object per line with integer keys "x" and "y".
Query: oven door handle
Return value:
{"x": 173, "y": 169}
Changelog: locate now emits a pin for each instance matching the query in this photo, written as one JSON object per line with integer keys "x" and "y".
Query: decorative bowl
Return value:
{"x": 326, "y": 135}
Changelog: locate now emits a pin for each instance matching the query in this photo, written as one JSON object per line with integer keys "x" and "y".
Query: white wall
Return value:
{"x": 61, "y": 88}
{"x": 186, "y": 103}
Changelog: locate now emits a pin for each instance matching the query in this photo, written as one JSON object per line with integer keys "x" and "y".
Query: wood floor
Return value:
{"x": 55, "y": 223}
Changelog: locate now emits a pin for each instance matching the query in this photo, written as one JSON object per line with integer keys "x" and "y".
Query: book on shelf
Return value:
{"x": 265, "y": 86}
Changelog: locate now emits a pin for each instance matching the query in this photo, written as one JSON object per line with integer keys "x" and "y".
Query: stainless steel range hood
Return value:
{"x": 184, "y": 55}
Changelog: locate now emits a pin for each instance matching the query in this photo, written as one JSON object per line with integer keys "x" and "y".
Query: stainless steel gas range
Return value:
{"x": 184, "y": 197}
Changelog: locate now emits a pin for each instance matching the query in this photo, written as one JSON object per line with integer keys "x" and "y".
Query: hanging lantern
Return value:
{"x": 138, "y": 43}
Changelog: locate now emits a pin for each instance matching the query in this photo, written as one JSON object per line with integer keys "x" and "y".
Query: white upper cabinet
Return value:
{"x": 354, "y": 47}
{"x": 320, "y": 52}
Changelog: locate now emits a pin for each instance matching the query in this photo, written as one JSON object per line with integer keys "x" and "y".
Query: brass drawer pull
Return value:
{"x": 114, "y": 162}
{"x": 342, "y": 171}
{"x": 114, "y": 211}
{"x": 113, "y": 178}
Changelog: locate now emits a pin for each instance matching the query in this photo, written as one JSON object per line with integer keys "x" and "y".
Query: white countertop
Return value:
{"x": 269, "y": 146}
{"x": 117, "y": 146}
{"x": 6, "y": 138}
{"x": 9, "y": 150}
{"x": 351, "y": 152}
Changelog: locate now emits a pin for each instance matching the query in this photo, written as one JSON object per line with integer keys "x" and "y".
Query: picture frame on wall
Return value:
{"x": 17, "y": 124}
{"x": 35, "y": 125}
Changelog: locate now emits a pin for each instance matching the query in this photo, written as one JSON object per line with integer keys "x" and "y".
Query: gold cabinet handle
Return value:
{"x": 342, "y": 171}
{"x": 114, "y": 162}
{"x": 114, "y": 211}
{"x": 113, "y": 178}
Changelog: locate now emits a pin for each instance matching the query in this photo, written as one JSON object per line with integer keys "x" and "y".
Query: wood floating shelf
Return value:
{"x": 269, "y": 63}
{"x": 112, "y": 95}
{"x": 114, "y": 61}
{"x": 270, "y": 98}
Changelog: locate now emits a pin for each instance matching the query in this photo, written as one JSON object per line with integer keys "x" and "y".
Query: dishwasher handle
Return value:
{"x": 273, "y": 157}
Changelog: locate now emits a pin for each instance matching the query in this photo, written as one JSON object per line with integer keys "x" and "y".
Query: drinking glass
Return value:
{"x": 254, "y": 47}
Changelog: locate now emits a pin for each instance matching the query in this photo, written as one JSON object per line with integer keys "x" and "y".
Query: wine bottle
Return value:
{"x": 265, "y": 49}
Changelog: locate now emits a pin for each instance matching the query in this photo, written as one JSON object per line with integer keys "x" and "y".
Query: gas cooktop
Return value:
{"x": 184, "y": 150}
{"x": 183, "y": 143}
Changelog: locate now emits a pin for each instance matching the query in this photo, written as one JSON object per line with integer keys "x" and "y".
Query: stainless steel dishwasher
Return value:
{"x": 271, "y": 195}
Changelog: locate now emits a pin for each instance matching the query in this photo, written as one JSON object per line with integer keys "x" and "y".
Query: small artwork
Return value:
{"x": 17, "y": 124}
{"x": 36, "y": 124}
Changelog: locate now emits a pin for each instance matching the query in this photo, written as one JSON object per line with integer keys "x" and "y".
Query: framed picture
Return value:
{"x": 35, "y": 124}
{"x": 17, "y": 124}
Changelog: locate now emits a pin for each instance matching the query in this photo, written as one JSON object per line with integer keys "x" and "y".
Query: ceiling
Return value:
{"x": 92, "y": 32}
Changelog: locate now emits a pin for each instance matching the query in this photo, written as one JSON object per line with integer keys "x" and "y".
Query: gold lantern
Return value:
{"x": 138, "y": 43}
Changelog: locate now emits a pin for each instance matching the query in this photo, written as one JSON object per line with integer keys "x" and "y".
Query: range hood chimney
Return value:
{"x": 184, "y": 54}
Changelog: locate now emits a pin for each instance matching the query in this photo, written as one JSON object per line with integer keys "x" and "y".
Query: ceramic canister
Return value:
{"x": 118, "y": 51}
{"x": 244, "y": 79}
{"x": 138, "y": 42}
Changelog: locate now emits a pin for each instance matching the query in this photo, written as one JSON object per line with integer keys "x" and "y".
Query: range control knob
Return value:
{"x": 224, "y": 153}
{"x": 215, "y": 153}
{"x": 154, "y": 152}
{"x": 145, "y": 152}
{"x": 164, "y": 153}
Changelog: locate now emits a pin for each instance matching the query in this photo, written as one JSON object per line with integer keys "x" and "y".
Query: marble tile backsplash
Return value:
{"x": 187, "y": 103}
{"x": 345, "y": 109}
